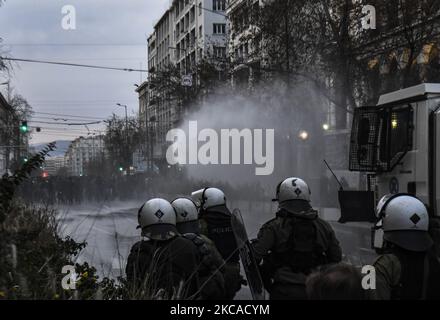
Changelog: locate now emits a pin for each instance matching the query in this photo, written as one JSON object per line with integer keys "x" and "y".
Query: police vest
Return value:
{"x": 219, "y": 231}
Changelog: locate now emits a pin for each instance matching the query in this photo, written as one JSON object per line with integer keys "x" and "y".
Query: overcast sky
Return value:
{"x": 108, "y": 33}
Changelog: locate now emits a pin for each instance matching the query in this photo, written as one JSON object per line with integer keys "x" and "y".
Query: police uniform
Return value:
{"x": 211, "y": 268}
{"x": 166, "y": 263}
{"x": 291, "y": 245}
{"x": 215, "y": 223}
{"x": 153, "y": 265}
{"x": 409, "y": 268}
{"x": 407, "y": 275}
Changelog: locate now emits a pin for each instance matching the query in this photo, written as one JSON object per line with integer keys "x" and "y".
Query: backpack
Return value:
{"x": 304, "y": 251}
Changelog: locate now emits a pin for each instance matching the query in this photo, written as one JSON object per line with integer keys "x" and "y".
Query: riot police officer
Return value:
{"x": 215, "y": 223}
{"x": 165, "y": 261}
{"x": 294, "y": 243}
{"x": 408, "y": 267}
{"x": 211, "y": 265}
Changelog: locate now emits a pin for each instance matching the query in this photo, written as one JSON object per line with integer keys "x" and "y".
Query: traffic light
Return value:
{"x": 121, "y": 169}
{"x": 24, "y": 127}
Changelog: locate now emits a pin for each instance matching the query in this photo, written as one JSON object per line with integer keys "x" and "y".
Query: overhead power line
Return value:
{"x": 69, "y": 115}
{"x": 74, "y": 44}
{"x": 66, "y": 124}
{"x": 60, "y": 119}
{"x": 72, "y": 64}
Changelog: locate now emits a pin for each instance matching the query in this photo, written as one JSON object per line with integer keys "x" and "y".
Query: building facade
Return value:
{"x": 10, "y": 146}
{"x": 82, "y": 151}
{"x": 53, "y": 164}
{"x": 186, "y": 34}
{"x": 244, "y": 41}
{"x": 4, "y": 115}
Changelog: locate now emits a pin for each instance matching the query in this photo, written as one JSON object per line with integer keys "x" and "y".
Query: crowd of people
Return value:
{"x": 189, "y": 250}
{"x": 72, "y": 190}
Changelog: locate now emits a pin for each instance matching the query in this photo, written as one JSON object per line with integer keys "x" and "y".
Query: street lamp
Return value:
{"x": 325, "y": 126}
{"x": 126, "y": 117}
{"x": 303, "y": 135}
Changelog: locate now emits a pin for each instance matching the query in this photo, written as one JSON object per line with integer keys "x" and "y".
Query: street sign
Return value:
{"x": 187, "y": 80}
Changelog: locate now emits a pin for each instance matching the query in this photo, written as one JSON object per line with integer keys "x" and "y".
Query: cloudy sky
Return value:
{"x": 108, "y": 33}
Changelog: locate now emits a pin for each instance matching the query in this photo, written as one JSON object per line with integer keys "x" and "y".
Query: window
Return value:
{"x": 219, "y": 28}
{"x": 219, "y": 5}
{"x": 200, "y": 32}
{"x": 192, "y": 14}
{"x": 219, "y": 52}
{"x": 200, "y": 8}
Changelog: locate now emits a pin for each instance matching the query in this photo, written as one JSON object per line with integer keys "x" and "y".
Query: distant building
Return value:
{"x": 81, "y": 151}
{"x": 53, "y": 164}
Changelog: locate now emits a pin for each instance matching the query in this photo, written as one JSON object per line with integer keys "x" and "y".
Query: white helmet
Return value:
{"x": 208, "y": 198}
{"x": 405, "y": 221}
{"x": 292, "y": 189}
{"x": 187, "y": 216}
{"x": 157, "y": 219}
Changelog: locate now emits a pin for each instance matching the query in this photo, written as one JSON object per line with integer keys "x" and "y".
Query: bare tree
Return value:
{"x": 405, "y": 41}
{"x": 121, "y": 141}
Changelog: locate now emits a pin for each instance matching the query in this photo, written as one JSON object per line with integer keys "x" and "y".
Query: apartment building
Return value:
{"x": 244, "y": 41}
{"x": 188, "y": 32}
{"x": 81, "y": 151}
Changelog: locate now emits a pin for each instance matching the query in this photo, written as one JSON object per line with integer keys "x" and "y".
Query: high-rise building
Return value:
{"x": 185, "y": 34}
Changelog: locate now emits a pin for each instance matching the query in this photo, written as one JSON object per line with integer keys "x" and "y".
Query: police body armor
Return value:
{"x": 216, "y": 225}
{"x": 219, "y": 231}
{"x": 304, "y": 251}
{"x": 211, "y": 281}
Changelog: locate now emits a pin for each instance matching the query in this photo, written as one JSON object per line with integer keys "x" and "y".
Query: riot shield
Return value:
{"x": 247, "y": 256}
